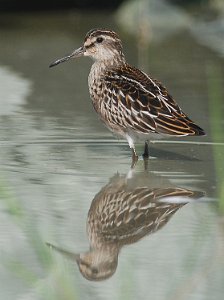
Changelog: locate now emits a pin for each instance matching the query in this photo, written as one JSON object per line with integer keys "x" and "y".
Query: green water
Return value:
{"x": 55, "y": 156}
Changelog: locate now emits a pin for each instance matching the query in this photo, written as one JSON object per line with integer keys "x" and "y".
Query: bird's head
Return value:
{"x": 97, "y": 265}
{"x": 100, "y": 45}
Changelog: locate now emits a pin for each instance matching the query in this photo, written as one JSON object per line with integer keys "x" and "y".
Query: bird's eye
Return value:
{"x": 95, "y": 271}
{"x": 99, "y": 40}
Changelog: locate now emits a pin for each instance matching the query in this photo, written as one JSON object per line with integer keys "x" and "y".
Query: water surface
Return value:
{"x": 56, "y": 156}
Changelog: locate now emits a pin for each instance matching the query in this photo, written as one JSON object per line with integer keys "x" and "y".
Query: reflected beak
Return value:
{"x": 66, "y": 253}
{"x": 77, "y": 53}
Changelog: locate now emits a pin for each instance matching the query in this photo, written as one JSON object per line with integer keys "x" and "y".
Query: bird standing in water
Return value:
{"x": 128, "y": 101}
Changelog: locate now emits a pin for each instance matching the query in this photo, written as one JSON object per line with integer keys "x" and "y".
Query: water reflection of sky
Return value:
{"x": 14, "y": 90}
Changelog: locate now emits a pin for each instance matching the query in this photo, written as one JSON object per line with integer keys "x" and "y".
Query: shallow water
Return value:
{"x": 56, "y": 156}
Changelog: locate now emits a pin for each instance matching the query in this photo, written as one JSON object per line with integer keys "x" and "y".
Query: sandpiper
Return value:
{"x": 128, "y": 101}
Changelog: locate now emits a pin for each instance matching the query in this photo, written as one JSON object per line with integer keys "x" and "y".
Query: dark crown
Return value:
{"x": 104, "y": 32}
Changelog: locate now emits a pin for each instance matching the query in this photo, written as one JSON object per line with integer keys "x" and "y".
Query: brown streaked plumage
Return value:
{"x": 128, "y": 101}
{"x": 123, "y": 212}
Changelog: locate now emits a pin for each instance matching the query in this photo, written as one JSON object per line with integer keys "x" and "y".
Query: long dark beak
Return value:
{"x": 66, "y": 253}
{"x": 77, "y": 53}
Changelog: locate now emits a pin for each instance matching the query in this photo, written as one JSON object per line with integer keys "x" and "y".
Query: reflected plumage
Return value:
{"x": 123, "y": 212}
{"x": 128, "y": 101}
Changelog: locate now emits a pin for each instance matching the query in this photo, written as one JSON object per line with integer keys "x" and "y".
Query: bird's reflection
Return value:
{"x": 124, "y": 211}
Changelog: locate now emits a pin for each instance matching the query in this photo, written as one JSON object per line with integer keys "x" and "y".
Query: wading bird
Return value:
{"x": 128, "y": 101}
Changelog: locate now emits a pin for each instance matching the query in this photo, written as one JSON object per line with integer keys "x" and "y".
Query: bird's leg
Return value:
{"x": 146, "y": 155}
{"x": 132, "y": 146}
{"x": 146, "y": 150}
{"x": 134, "y": 158}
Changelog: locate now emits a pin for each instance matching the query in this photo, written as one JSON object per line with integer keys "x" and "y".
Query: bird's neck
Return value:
{"x": 99, "y": 68}
{"x": 110, "y": 62}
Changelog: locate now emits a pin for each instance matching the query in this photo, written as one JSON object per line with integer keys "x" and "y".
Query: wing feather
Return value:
{"x": 142, "y": 104}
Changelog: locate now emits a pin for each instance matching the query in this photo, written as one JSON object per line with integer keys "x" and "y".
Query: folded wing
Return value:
{"x": 136, "y": 102}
